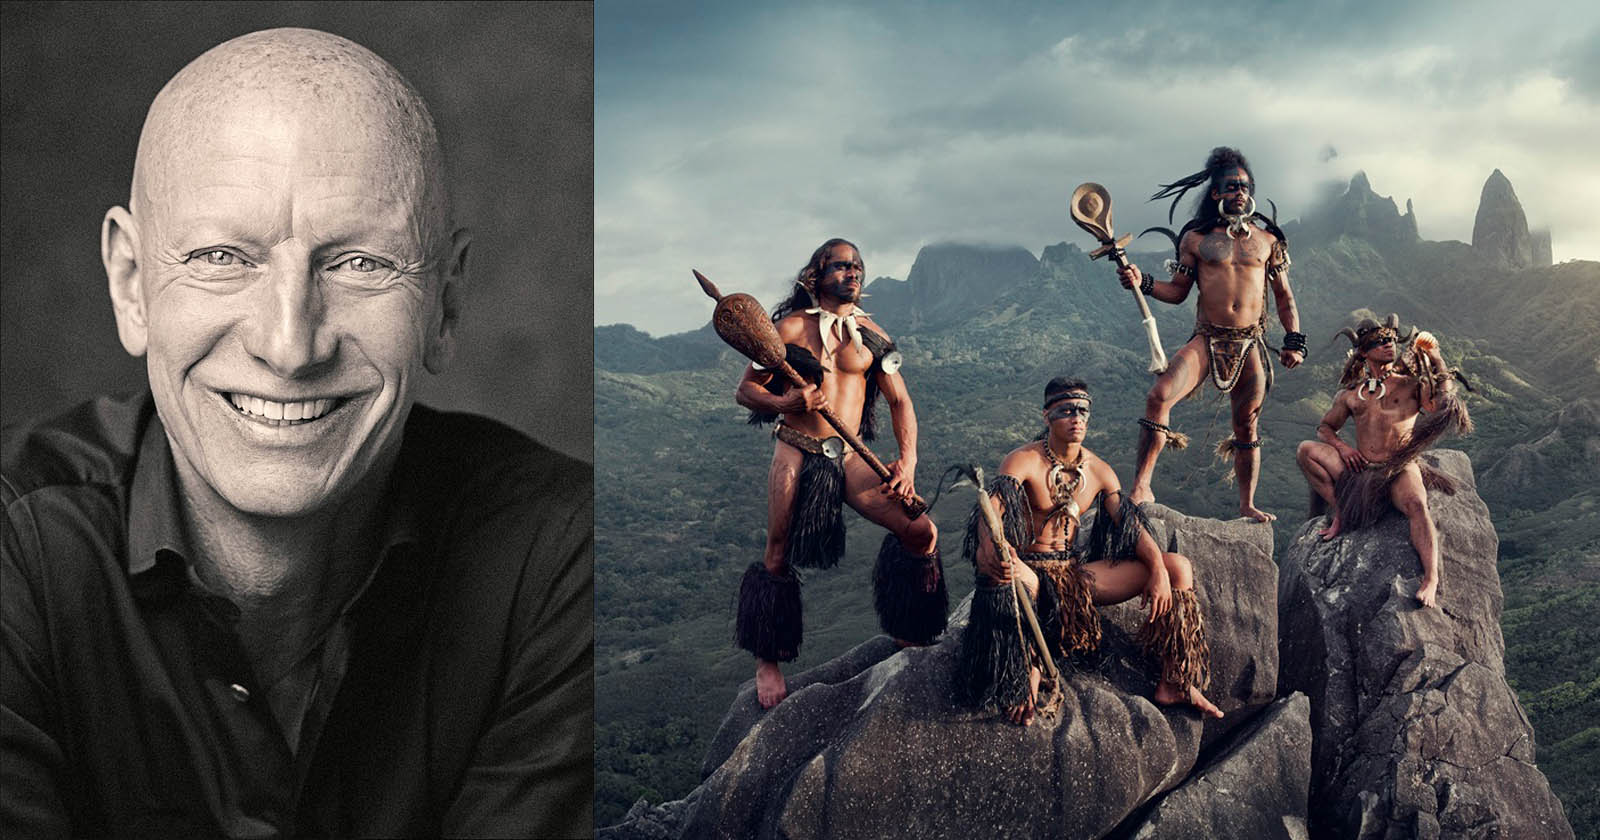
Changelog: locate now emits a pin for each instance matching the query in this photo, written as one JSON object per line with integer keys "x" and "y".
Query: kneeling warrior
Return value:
{"x": 1042, "y": 489}
{"x": 1234, "y": 255}
{"x": 813, "y": 472}
{"x": 1386, "y": 390}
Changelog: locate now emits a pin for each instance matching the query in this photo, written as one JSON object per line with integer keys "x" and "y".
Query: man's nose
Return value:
{"x": 288, "y": 325}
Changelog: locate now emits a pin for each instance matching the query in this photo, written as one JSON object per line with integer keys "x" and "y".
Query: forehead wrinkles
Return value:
{"x": 305, "y": 80}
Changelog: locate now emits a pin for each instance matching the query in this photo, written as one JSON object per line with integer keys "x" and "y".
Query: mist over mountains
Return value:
{"x": 682, "y": 478}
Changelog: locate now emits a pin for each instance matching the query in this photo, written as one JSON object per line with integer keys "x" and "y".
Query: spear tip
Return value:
{"x": 707, "y": 286}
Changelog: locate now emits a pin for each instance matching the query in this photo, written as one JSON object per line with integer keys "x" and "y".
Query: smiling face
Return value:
{"x": 291, "y": 280}
{"x": 841, "y": 274}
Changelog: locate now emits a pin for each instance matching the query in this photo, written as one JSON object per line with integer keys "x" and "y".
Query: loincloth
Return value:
{"x": 1065, "y": 602}
{"x": 1364, "y": 495}
{"x": 816, "y": 522}
{"x": 1228, "y": 350}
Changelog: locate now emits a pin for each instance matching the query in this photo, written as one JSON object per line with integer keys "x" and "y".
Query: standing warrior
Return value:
{"x": 1233, "y": 254}
{"x": 1042, "y": 488}
{"x": 1385, "y": 391}
{"x": 848, "y": 361}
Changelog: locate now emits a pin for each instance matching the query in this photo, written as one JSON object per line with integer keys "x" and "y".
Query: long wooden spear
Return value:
{"x": 997, "y": 537}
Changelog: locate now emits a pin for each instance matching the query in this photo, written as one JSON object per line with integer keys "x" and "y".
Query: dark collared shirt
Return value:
{"x": 452, "y": 694}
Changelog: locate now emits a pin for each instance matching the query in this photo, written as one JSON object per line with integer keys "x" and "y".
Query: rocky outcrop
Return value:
{"x": 1540, "y": 243}
{"x": 1256, "y": 788}
{"x": 1500, "y": 230}
{"x": 1415, "y": 731}
{"x": 871, "y": 745}
{"x": 946, "y": 283}
{"x": 1360, "y": 213}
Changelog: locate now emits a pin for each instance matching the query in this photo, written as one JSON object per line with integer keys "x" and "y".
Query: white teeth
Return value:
{"x": 304, "y": 410}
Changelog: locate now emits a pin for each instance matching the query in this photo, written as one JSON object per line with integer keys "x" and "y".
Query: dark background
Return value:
{"x": 511, "y": 88}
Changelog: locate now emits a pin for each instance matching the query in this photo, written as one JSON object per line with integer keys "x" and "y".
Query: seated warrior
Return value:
{"x": 848, "y": 360}
{"x": 1386, "y": 390}
{"x": 1233, "y": 255}
{"x": 1042, "y": 488}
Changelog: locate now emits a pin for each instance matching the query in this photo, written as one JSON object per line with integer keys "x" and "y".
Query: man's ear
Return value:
{"x": 442, "y": 341}
{"x": 119, "y": 252}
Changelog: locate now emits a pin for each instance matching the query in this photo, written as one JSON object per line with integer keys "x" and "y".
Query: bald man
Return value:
{"x": 270, "y": 596}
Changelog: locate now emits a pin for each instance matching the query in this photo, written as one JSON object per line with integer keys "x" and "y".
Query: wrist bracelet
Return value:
{"x": 1295, "y": 341}
{"x": 1147, "y": 285}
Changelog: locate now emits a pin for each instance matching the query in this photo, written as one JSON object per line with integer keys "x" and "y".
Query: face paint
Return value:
{"x": 1067, "y": 409}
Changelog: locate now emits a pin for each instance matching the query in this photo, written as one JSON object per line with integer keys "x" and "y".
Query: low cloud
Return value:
{"x": 787, "y": 127}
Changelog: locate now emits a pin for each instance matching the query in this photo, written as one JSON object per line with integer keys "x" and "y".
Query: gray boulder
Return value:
{"x": 1256, "y": 787}
{"x": 1415, "y": 731}
{"x": 871, "y": 745}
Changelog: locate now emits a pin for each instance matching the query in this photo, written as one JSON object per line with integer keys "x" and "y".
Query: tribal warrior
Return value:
{"x": 1385, "y": 390}
{"x": 848, "y": 360}
{"x": 1042, "y": 488}
{"x": 1234, "y": 255}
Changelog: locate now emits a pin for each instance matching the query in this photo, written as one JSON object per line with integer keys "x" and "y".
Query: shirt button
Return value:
{"x": 240, "y": 693}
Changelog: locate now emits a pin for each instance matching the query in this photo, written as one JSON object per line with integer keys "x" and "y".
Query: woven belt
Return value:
{"x": 807, "y": 443}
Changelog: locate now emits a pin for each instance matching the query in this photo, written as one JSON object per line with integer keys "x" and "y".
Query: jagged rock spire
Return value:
{"x": 1500, "y": 231}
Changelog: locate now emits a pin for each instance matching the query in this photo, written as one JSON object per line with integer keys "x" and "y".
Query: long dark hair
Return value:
{"x": 1221, "y": 161}
{"x": 803, "y": 295}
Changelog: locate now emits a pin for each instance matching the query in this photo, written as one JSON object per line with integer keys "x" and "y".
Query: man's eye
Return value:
{"x": 217, "y": 257}
{"x": 360, "y": 264}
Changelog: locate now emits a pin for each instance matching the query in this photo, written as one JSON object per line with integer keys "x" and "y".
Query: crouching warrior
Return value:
{"x": 1042, "y": 489}
{"x": 1386, "y": 390}
{"x": 1234, "y": 255}
{"x": 848, "y": 361}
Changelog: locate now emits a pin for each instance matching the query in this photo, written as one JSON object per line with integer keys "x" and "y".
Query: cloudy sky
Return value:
{"x": 734, "y": 137}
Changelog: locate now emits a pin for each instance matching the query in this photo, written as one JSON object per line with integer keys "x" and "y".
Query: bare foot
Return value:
{"x": 770, "y": 688}
{"x": 1255, "y": 513}
{"x": 1023, "y": 715}
{"x": 1428, "y": 593}
{"x": 1141, "y": 494}
{"x": 1168, "y": 694}
{"x": 1333, "y": 529}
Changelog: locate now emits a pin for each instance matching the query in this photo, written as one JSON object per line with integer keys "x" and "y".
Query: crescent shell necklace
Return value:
{"x": 1063, "y": 481}
{"x": 1374, "y": 385}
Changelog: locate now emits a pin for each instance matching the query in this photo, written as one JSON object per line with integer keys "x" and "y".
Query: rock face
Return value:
{"x": 1500, "y": 231}
{"x": 946, "y": 283}
{"x": 1542, "y": 255}
{"x": 1359, "y": 212}
{"x": 1256, "y": 788}
{"x": 870, "y": 745}
{"x": 1416, "y": 733}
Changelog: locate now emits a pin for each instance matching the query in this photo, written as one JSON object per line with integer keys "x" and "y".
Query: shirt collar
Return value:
{"x": 155, "y": 512}
{"x": 155, "y": 519}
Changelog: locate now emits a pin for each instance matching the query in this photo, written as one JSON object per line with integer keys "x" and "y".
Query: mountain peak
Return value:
{"x": 1360, "y": 212}
{"x": 1500, "y": 230}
